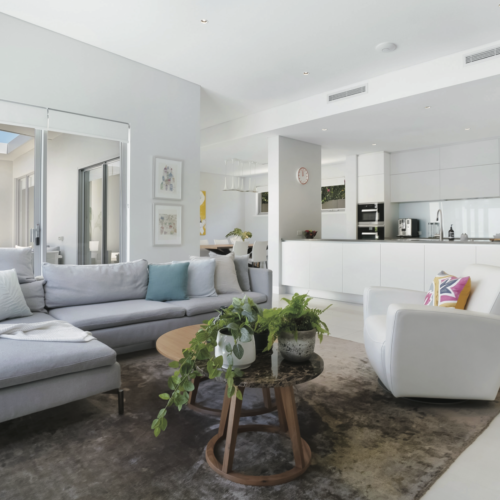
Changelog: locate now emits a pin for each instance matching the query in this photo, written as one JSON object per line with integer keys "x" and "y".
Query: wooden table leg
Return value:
{"x": 281, "y": 409}
{"x": 224, "y": 415}
{"x": 293, "y": 424}
{"x": 194, "y": 392}
{"x": 266, "y": 393}
{"x": 232, "y": 432}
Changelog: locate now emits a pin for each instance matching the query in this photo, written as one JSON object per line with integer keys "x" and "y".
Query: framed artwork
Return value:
{"x": 167, "y": 176}
{"x": 167, "y": 224}
{"x": 203, "y": 213}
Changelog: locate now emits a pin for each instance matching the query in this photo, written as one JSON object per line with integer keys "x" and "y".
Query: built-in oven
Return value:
{"x": 371, "y": 232}
{"x": 373, "y": 212}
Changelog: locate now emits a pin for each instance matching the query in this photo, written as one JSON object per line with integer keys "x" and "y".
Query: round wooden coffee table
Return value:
{"x": 267, "y": 371}
{"x": 172, "y": 344}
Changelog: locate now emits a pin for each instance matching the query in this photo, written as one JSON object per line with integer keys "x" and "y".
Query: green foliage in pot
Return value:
{"x": 244, "y": 235}
{"x": 239, "y": 319}
{"x": 296, "y": 317}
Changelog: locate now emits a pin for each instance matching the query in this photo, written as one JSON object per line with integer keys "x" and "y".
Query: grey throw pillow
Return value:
{"x": 226, "y": 280}
{"x": 20, "y": 259}
{"x": 201, "y": 278}
{"x": 34, "y": 295}
{"x": 241, "y": 264}
{"x": 12, "y": 303}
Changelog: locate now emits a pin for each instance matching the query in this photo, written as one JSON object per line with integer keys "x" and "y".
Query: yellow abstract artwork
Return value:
{"x": 203, "y": 213}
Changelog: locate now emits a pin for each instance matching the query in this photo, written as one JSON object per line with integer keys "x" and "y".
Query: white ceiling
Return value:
{"x": 250, "y": 56}
{"x": 393, "y": 126}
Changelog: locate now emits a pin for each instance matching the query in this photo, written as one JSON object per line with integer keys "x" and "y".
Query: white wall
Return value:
{"x": 225, "y": 209}
{"x": 6, "y": 204}
{"x": 163, "y": 112}
{"x": 66, "y": 154}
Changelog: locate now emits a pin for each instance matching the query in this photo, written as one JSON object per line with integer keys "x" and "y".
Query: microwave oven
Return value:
{"x": 371, "y": 213}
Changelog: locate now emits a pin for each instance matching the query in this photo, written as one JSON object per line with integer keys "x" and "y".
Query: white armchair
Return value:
{"x": 436, "y": 352}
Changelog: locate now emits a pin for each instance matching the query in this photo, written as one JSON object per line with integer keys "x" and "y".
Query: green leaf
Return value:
{"x": 246, "y": 335}
{"x": 164, "y": 424}
{"x": 155, "y": 423}
{"x": 238, "y": 351}
{"x": 171, "y": 383}
{"x": 238, "y": 372}
{"x": 174, "y": 364}
{"x": 229, "y": 359}
{"x": 239, "y": 395}
{"x": 229, "y": 348}
{"x": 162, "y": 413}
{"x": 165, "y": 396}
{"x": 188, "y": 386}
{"x": 157, "y": 431}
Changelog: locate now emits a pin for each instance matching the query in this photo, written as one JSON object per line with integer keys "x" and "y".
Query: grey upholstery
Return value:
{"x": 19, "y": 259}
{"x": 261, "y": 281}
{"x": 37, "y": 396}
{"x": 37, "y": 317}
{"x": 23, "y": 362}
{"x": 211, "y": 304}
{"x": 241, "y": 265}
{"x": 111, "y": 314}
{"x": 34, "y": 295}
{"x": 79, "y": 285}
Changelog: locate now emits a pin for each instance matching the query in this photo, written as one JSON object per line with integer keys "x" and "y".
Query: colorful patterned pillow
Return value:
{"x": 448, "y": 291}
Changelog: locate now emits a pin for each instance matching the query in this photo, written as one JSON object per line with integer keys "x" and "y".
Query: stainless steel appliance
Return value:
{"x": 408, "y": 228}
{"x": 371, "y": 221}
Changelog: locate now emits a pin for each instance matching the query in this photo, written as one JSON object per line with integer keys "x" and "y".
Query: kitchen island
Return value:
{"x": 341, "y": 269}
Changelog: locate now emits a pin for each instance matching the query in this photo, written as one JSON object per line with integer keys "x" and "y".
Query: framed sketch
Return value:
{"x": 167, "y": 176}
{"x": 167, "y": 225}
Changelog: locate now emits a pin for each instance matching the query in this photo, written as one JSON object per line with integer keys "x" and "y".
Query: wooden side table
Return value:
{"x": 267, "y": 371}
{"x": 172, "y": 344}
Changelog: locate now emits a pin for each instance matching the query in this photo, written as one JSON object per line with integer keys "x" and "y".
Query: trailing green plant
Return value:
{"x": 244, "y": 235}
{"x": 295, "y": 317}
{"x": 239, "y": 319}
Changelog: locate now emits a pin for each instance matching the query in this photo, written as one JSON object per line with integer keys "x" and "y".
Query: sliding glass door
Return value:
{"x": 99, "y": 213}
{"x": 25, "y": 209}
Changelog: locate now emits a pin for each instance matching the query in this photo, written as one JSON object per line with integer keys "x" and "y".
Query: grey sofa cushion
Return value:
{"x": 111, "y": 314}
{"x": 23, "y": 362}
{"x": 20, "y": 259}
{"x": 79, "y": 285}
{"x": 12, "y": 301}
{"x": 204, "y": 305}
{"x": 37, "y": 317}
{"x": 201, "y": 278}
{"x": 241, "y": 265}
{"x": 34, "y": 295}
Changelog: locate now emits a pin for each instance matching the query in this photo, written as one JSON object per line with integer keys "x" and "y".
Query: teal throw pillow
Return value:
{"x": 168, "y": 281}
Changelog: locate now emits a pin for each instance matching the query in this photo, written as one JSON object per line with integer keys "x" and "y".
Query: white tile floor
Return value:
{"x": 475, "y": 475}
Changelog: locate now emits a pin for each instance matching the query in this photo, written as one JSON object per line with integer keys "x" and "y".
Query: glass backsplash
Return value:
{"x": 478, "y": 218}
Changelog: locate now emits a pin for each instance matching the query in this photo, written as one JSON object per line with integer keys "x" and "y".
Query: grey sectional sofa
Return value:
{"x": 109, "y": 301}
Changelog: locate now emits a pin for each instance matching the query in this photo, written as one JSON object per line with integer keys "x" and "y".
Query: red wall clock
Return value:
{"x": 302, "y": 175}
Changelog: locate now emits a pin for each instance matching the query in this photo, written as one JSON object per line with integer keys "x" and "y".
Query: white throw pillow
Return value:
{"x": 12, "y": 301}
{"x": 226, "y": 280}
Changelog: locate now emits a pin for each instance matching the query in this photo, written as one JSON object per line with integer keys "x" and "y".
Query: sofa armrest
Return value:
{"x": 377, "y": 299}
{"x": 261, "y": 281}
{"x": 442, "y": 352}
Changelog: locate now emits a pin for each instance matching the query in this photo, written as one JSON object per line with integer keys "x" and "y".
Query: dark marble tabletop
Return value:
{"x": 271, "y": 370}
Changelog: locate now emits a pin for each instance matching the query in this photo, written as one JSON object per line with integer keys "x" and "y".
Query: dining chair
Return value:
{"x": 240, "y": 248}
{"x": 221, "y": 242}
{"x": 259, "y": 253}
{"x": 204, "y": 242}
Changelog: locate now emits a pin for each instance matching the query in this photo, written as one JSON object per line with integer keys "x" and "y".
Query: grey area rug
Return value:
{"x": 365, "y": 443}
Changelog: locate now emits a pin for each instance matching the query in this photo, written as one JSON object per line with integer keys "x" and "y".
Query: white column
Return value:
{"x": 293, "y": 207}
{"x": 351, "y": 197}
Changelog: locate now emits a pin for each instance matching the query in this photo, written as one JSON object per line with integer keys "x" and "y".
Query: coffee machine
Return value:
{"x": 408, "y": 228}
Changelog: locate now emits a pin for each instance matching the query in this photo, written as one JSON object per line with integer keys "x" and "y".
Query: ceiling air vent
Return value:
{"x": 346, "y": 93}
{"x": 480, "y": 56}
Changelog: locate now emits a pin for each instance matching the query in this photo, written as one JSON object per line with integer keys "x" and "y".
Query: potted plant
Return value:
{"x": 224, "y": 341}
{"x": 244, "y": 235}
{"x": 295, "y": 326}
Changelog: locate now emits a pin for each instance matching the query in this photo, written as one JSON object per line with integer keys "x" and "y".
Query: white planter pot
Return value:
{"x": 249, "y": 353}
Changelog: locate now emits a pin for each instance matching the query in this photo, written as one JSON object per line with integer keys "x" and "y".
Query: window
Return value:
{"x": 263, "y": 203}
{"x": 99, "y": 214}
{"x": 25, "y": 209}
{"x": 333, "y": 197}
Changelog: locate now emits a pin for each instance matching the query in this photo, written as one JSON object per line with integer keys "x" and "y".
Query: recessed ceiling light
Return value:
{"x": 467, "y": 129}
{"x": 306, "y": 73}
{"x": 324, "y": 129}
{"x": 427, "y": 107}
{"x": 204, "y": 21}
{"x": 386, "y": 47}
{"x": 373, "y": 144}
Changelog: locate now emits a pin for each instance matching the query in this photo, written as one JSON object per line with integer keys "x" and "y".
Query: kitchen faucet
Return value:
{"x": 440, "y": 220}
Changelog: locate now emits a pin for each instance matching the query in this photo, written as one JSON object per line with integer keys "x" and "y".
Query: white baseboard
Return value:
{"x": 322, "y": 294}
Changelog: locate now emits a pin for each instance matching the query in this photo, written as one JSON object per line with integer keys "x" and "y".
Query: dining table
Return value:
{"x": 223, "y": 248}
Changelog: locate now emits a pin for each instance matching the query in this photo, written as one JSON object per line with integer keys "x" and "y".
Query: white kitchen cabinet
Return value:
{"x": 470, "y": 182}
{"x": 371, "y": 189}
{"x": 451, "y": 258}
{"x": 371, "y": 164}
{"x": 470, "y": 154}
{"x": 360, "y": 266}
{"x": 488, "y": 254}
{"x": 417, "y": 186}
{"x": 326, "y": 266}
{"x": 403, "y": 266}
{"x": 295, "y": 260}
{"x": 421, "y": 160}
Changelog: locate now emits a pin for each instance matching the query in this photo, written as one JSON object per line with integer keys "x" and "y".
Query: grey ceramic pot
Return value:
{"x": 299, "y": 350}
